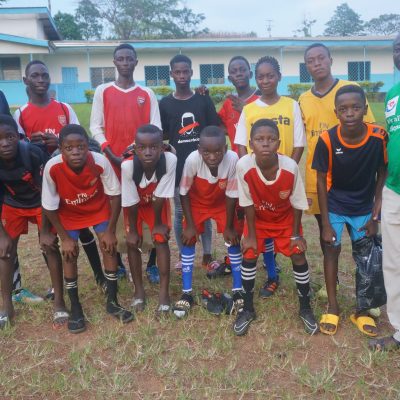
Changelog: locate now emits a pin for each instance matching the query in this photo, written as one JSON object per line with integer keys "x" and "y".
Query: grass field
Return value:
{"x": 197, "y": 358}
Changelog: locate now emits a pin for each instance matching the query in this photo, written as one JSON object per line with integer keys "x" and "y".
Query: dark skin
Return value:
{"x": 125, "y": 61}
{"x": 37, "y": 81}
{"x": 265, "y": 144}
{"x": 350, "y": 110}
{"x": 8, "y": 246}
{"x": 212, "y": 150}
{"x": 74, "y": 149}
{"x": 148, "y": 148}
{"x": 267, "y": 79}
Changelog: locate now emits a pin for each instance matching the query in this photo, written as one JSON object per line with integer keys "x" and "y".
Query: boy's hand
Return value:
{"x": 370, "y": 228}
{"x": 133, "y": 240}
{"x": 162, "y": 230}
{"x": 248, "y": 243}
{"x": 108, "y": 242}
{"x": 328, "y": 235}
{"x": 5, "y": 246}
{"x": 231, "y": 237}
{"x": 37, "y": 137}
{"x": 189, "y": 235}
{"x": 237, "y": 103}
{"x": 117, "y": 161}
{"x": 299, "y": 243}
{"x": 69, "y": 249}
{"x": 51, "y": 141}
{"x": 48, "y": 241}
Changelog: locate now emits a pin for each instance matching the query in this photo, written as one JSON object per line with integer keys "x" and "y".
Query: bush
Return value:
{"x": 161, "y": 91}
{"x": 219, "y": 93}
{"x": 371, "y": 87}
{"x": 89, "y": 96}
{"x": 296, "y": 89}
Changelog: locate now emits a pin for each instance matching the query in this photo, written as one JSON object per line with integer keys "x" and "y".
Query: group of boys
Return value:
{"x": 346, "y": 168}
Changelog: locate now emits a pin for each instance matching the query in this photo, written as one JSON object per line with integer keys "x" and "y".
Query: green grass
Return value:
{"x": 379, "y": 112}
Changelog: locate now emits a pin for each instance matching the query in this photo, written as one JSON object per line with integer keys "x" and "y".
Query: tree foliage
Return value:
{"x": 305, "y": 28}
{"x": 67, "y": 26}
{"x": 344, "y": 22}
{"x": 385, "y": 24}
{"x": 149, "y": 19}
{"x": 88, "y": 18}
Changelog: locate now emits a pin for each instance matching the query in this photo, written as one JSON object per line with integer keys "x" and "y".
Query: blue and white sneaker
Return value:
{"x": 26, "y": 297}
{"x": 153, "y": 275}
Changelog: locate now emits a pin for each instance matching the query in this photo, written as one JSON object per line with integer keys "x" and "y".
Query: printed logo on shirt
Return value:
{"x": 81, "y": 198}
{"x": 140, "y": 100}
{"x": 284, "y": 194}
{"x": 62, "y": 119}
{"x": 391, "y": 107}
{"x": 338, "y": 150}
{"x": 188, "y": 124}
{"x": 222, "y": 184}
{"x": 93, "y": 182}
{"x": 265, "y": 206}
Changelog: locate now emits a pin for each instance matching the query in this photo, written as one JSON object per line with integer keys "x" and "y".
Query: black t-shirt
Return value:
{"x": 351, "y": 169}
{"x": 4, "y": 108}
{"x": 183, "y": 120}
{"x": 21, "y": 184}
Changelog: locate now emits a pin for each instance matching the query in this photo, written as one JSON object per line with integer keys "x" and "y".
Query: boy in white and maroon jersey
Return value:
{"x": 81, "y": 190}
{"x": 272, "y": 194}
{"x": 148, "y": 181}
{"x": 208, "y": 190}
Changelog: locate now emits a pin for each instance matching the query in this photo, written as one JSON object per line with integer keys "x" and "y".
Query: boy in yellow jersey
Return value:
{"x": 318, "y": 111}
{"x": 285, "y": 112}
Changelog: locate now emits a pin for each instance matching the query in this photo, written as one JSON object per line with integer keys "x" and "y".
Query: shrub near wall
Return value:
{"x": 89, "y": 96}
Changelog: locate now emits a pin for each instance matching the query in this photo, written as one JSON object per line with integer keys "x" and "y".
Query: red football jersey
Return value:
{"x": 81, "y": 199}
{"x": 52, "y": 118}
{"x": 230, "y": 117}
{"x": 118, "y": 113}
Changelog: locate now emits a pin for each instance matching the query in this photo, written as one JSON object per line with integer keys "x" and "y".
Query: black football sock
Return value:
{"x": 90, "y": 248}
{"x": 71, "y": 284}
{"x": 152, "y": 257}
{"x": 112, "y": 286}
{"x": 248, "y": 270}
{"x": 302, "y": 278}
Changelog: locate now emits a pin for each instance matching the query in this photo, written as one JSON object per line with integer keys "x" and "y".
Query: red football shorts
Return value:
{"x": 15, "y": 220}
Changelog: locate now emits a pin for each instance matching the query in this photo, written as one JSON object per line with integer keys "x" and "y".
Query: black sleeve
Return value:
{"x": 211, "y": 113}
{"x": 4, "y": 107}
{"x": 39, "y": 159}
{"x": 164, "y": 117}
{"x": 321, "y": 157}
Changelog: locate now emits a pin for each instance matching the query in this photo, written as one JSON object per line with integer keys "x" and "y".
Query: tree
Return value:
{"x": 306, "y": 25}
{"x": 88, "y": 18}
{"x": 345, "y": 22}
{"x": 149, "y": 19}
{"x": 385, "y": 24}
{"x": 67, "y": 26}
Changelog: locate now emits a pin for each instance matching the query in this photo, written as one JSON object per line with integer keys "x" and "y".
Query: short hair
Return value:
{"x": 125, "y": 46}
{"x": 239, "y": 58}
{"x": 72, "y": 129}
{"x": 180, "y": 58}
{"x": 264, "y": 122}
{"x": 7, "y": 120}
{"x": 150, "y": 128}
{"x": 271, "y": 61}
{"x": 213, "y": 131}
{"x": 314, "y": 45}
{"x": 351, "y": 89}
{"x": 33, "y": 62}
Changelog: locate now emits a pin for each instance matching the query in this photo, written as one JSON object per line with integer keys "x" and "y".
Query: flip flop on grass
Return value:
{"x": 60, "y": 318}
{"x": 330, "y": 319}
{"x": 361, "y": 322}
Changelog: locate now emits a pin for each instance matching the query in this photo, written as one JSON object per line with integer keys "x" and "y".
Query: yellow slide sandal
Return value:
{"x": 362, "y": 321}
{"x": 331, "y": 319}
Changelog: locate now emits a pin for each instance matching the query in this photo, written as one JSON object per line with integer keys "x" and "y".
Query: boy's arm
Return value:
{"x": 296, "y": 239}
{"x": 297, "y": 153}
{"x": 328, "y": 234}
{"x": 189, "y": 232}
{"x": 299, "y": 137}
{"x": 133, "y": 239}
{"x": 159, "y": 227}
{"x": 230, "y": 235}
{"x": 6, "y": 243}
{"x": 211, "y": 113}
{"x": 241, "y": 137}
{"x": 108, "y": 240}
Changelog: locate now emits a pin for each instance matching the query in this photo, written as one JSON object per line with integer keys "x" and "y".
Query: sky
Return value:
{"x": 253, "y": 15}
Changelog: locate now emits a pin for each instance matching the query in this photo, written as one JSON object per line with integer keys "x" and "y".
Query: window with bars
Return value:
{"x": 212, "y": 74}
{"x": 10, "y": 69}
{"x": 157, "y": 75}
{"x": 305, "y": 76}
{"x": 359, "y": 70}
{"x": 99, "y": 75}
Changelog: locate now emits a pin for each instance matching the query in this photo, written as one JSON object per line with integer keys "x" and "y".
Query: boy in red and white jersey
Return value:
{"x": 81, "y": 190}
{"x": 208, "y": 190}
{"x": 148, "y": 182}
{"x": 272, "y": 194}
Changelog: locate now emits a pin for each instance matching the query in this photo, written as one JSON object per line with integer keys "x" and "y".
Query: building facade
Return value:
{"x": 76, "y": 66}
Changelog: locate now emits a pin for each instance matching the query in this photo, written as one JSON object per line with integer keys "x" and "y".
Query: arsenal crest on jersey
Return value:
{"x": 140, "y": 100}
{"x": 284, "y": 194}
{"x": 62, "y": 119}
{"x": 222, "y": 184}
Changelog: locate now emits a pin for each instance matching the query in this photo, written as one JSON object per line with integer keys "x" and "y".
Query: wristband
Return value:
{"x": 296, "y": 237}
{"x": 104, "y": 145}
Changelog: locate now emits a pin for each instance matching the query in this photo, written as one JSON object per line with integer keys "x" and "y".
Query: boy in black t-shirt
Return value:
{"x": 350, "y": 160}
{"x": 21, "y": 166}
{"x": 184, "y": 114}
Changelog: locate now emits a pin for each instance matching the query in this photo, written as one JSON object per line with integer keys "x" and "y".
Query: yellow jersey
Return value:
{"x": 318, "y": 114}
{"x": 285, "y": 113}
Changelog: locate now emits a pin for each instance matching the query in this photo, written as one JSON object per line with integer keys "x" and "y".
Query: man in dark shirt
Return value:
{"x": 184, "y": 114}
